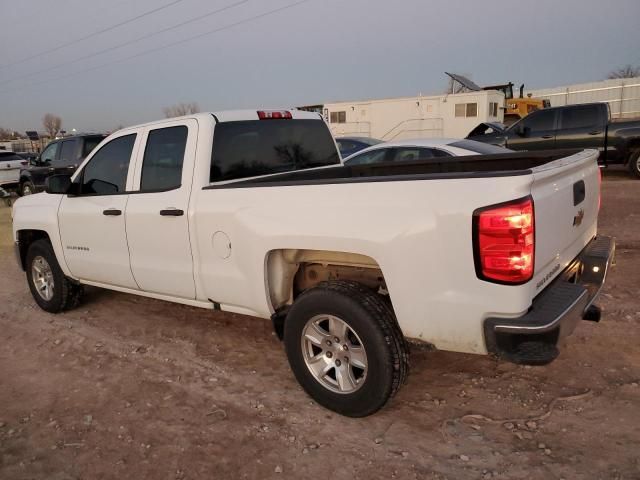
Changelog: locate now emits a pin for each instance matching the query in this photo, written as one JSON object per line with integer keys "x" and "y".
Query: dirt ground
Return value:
{"x": 127, "y": 387}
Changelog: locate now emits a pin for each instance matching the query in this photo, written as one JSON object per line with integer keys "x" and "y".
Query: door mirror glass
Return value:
{"x": 57, "y": 184}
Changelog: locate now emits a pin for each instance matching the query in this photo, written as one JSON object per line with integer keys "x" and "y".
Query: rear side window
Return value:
{"x": 106, "y": 172}
{"x": 163, "y": 158}
{"x": 260, "y": 147}
{"x": 373, "y": 156}
{"x": 579, "y": 117}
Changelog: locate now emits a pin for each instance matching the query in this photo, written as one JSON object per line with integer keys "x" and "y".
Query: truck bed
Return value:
{"x": 472, "y": 166}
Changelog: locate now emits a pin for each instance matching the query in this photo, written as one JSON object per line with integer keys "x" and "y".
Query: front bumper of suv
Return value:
{"x": 532, "y": 338}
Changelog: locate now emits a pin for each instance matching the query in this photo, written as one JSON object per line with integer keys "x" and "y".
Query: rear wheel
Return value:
{"x": 634, "y": 162}
{"x": 345, "y": 347}
{"x": 51, "y": 290}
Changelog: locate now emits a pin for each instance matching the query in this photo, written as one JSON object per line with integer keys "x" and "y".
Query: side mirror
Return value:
{"x": 57, "y": 184}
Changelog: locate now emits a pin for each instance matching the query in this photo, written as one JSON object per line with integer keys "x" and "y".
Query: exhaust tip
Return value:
{"x": 593, "y": 313}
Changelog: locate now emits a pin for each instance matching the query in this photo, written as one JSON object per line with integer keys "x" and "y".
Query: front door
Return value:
{"x": 92, "y": 221}
{"x": 157, "y": 212}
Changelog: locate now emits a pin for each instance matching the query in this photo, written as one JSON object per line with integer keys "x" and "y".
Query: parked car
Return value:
{"x": 10, "y": 165}
{"x": 61, "y": 156}
{"x": 350, "y": 145}
{"x": 572, "y": 126}
{"x": 421, "y": 149}
{"x": 253, "y": 212}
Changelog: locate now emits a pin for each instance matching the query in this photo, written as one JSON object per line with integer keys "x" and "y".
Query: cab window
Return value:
{"x": 67, "y": 153}
{"x": 49, "y": 153}
{"x": 540, "y": 121}
{"x": 106, "y": 172}
{"x": 163, "y": 158}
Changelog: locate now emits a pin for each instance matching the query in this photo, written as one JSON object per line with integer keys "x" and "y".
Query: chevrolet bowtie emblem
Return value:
{"x": 577, "y": 220}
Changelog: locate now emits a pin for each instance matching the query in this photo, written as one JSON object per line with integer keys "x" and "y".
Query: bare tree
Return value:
{"x": 6, "y": 134}
{"x": 181, "y": 109}
{"x": 52, "y": 124}
{"x": 628, "y": 71}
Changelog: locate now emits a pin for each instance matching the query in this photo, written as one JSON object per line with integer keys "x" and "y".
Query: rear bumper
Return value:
{"x": 533, "y": 338}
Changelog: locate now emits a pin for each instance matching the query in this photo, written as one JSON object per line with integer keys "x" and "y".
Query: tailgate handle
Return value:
{"x": 579, "y": 192}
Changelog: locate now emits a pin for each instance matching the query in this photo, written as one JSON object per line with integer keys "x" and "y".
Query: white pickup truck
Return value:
{"x": 253, "y": 212}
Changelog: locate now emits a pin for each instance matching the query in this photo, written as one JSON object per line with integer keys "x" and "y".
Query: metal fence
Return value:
{"x": 622, "y": 95}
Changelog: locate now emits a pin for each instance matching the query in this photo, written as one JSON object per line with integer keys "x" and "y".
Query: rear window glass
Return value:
{"x": 8, "y": 156}
{"x": 479, "y": 147}
{"x": 260, "y": 147}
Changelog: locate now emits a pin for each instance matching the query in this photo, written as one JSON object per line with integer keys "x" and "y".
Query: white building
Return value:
{"x": 446, "y": 115}
{"x": 622, "y": 95}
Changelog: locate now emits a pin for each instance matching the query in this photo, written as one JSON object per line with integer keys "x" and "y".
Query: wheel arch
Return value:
{"x": 289, "y": 272}
{"x": 25, "y": 239}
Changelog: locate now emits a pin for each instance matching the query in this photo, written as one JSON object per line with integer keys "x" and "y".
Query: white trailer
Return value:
{"x": 622, "y": 95}
{"x": 446, "y": 115}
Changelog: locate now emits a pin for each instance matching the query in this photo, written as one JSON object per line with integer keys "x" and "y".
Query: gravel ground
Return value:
{"x": 128, "y": 387}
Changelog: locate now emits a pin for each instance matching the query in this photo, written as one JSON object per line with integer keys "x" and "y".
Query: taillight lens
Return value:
{"x": 274, "y": 114}
{"x": 504, "y": 242}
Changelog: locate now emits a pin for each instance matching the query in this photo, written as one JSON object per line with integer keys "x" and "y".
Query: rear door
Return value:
{"x": 582, "y": 126}
{"x": 536, "y": 131}
{"x": 156, "y": 217}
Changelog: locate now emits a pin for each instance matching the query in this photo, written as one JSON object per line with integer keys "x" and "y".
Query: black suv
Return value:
{"x": 60, "y": 156}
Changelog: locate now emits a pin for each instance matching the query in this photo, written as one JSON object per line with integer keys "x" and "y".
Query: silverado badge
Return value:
{"x": 577, "y": 220}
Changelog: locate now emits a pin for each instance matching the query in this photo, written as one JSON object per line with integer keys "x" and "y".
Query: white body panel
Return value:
{"x": 10, "y": 171}
{"x": 417, "y": 231}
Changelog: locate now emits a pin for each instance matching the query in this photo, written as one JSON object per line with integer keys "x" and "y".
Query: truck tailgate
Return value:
{"x": 566, "y": 197}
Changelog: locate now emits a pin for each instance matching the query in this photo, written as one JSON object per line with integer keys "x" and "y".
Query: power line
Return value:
{"x": 163, "y": 47}
{"x": 91, "y": 35}
{"x": 136, "y": 40}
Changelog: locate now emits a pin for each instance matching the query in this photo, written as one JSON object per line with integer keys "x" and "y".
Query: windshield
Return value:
{"x": 479, "y": 147}
{"x": 260, "y": 147}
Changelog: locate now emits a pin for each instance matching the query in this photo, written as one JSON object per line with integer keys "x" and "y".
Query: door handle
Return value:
{"x": 547, "y": 137}
{"x": 595, "y": 132}
{"x": 171, "y": 212}
{"x": 112, "y": 212}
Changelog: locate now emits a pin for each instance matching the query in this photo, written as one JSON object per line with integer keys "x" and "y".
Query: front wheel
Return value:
{"x": 634, "y": 163}
{"x": 26, "y": 188}
{"x": 345, "y": 347}
{"x": 51, "y": 290}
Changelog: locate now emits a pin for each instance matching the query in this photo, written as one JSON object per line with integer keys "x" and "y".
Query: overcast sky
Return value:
{"x": 315, "y": 52}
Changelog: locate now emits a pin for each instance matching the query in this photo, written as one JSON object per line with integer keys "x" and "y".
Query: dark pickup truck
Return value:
{"x": 572, "y": 126}
{"x": 61, "y": 156}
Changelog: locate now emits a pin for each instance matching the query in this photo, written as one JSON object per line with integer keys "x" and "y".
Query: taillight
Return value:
{"x": 274, "y": 114}
{"x": 504, "y": 242}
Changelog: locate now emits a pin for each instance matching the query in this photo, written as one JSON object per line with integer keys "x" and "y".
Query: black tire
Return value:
{"x": 66, "y": 294}
{"x": 372, "y": 320}
{"x": 29, "y": 186}
{"x": 634, "y": 162}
